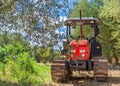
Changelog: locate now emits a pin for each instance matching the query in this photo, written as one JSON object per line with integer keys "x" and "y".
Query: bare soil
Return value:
{"x": 86, "y": 79}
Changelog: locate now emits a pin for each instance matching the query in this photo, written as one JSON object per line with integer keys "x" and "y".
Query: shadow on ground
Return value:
{"x": 113, "y": 80}
{"x": 80, "y": 81}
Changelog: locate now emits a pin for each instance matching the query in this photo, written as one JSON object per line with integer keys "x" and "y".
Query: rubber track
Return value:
{"x": 100, "y": 69}
{"x": 58, "y": 71}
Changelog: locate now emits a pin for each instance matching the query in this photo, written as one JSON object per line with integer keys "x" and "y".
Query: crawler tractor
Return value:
{"x": 82, "y": 53}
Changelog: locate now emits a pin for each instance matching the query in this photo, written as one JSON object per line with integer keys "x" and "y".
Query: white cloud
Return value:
{"x": 63, "y": 18}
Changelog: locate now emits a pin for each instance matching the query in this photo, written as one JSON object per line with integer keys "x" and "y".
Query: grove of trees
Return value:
{"x": 27, "y": 34}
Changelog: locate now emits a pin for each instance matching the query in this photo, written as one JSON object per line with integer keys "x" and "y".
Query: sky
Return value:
{"x": 62, "y": 30}
{"x": 70, "y": 6}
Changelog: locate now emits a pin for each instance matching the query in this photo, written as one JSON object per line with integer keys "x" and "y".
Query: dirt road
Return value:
{"x": 114, "y": 80}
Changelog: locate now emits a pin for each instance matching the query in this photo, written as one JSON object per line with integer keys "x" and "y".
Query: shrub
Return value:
{"x": 17, "y": 64}
{"x": 24, "y": 70}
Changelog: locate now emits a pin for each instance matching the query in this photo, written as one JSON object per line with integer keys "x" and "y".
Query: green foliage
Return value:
{"x": 116, "y": 38}
{"x": 4, "y": 39}
{"x": 17, "y": 64}
{"x": 23, "y": 16}
{"x": 110, "y": 16}
{"x": 89, "y": 9}
{"x": 25, "y": 71}
{"x": 8, "y": 4}
{"x": 11, "y": 49}
{"x": 42, "y": 54}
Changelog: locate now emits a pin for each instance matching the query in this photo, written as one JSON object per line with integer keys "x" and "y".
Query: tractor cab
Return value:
{"x": 84, "y": 23}
{"x": 82, "y": 47}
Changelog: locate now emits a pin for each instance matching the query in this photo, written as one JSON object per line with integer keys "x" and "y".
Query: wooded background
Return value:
{"x": 27, "y": 29}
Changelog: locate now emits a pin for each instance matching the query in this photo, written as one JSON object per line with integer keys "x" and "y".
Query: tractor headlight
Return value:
{"x": 83, "y": 55}
{"x": 82, "y": 51}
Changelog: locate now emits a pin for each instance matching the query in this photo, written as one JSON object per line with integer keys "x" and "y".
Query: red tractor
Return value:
{"x": 81, "y": 54}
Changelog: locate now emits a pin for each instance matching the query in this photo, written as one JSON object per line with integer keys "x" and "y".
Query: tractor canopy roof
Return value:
{"x": 83, "y": 21}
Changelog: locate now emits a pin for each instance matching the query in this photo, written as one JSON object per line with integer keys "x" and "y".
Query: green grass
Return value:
{"x": 45, "y": 73}
{"x": 43, "y": 78}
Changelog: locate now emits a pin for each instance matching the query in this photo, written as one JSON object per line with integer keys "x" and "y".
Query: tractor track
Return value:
{"x": 60, "y": 72}
{"x": 88, "y": 80}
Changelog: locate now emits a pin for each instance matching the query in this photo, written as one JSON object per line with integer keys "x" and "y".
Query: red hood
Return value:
{"x": 79, "y": 43}
{"x": 80, "y": 47}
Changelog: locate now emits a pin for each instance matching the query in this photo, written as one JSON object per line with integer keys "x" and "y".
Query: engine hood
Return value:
{"x": 79, "y": 43}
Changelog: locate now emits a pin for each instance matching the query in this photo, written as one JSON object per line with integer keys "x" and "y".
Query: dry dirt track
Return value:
{"x": 114, "y": 80}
